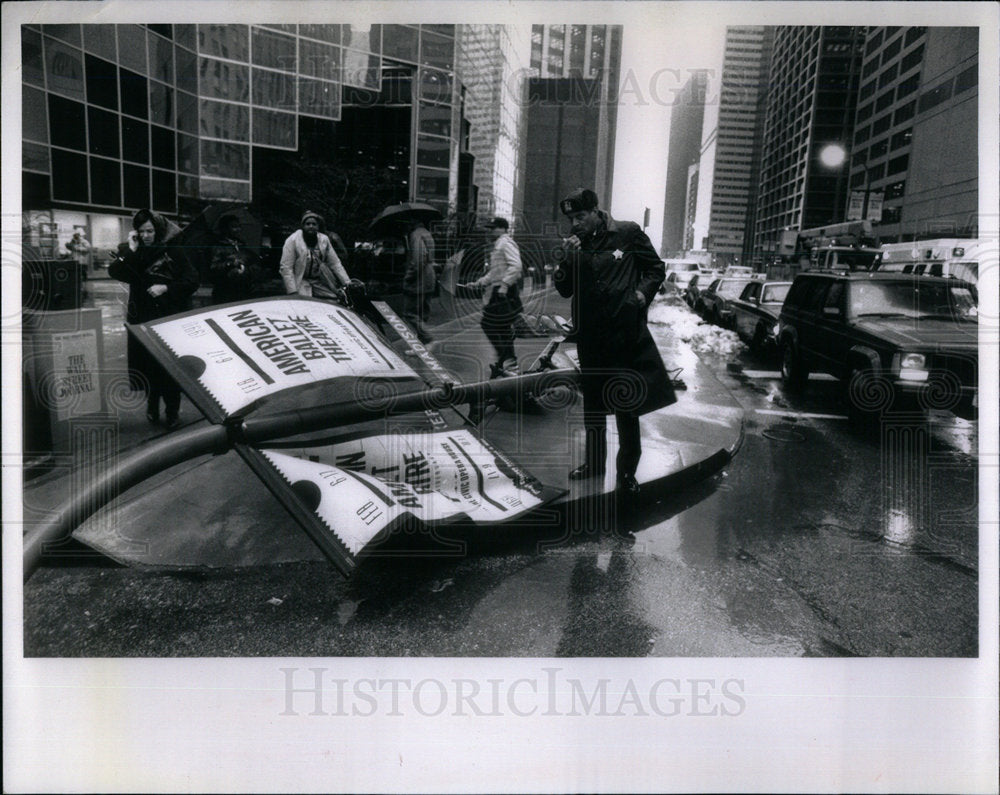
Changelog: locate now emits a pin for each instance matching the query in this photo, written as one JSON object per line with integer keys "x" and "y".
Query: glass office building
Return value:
{"x": 119, "y": 117}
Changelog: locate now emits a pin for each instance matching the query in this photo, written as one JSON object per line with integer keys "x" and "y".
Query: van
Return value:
{"x": 949, "y": 257}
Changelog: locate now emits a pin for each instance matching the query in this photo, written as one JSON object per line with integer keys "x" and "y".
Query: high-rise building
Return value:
{"x": 813, "y": 81}
{"x": 745, "y": 64}
{"x": 342, "y": 117}
{"x": 493, "y": 60}
{"x": 915, "y": 145}
{"x": 684, "y": 148}
{"x": 572, "y": 113}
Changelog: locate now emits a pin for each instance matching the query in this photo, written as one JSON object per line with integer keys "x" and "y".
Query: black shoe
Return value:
{"x": 628, "y": 486}
{"x": 585, "y": 471}
{"x": 172, "y": 422}
{"x": 153, "y": 416}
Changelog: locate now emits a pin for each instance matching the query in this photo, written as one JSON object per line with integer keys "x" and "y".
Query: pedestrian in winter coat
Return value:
{"x": 309, "y": 264}
{"x": 501, "y": 299}
{"x": 161, "y": 282}
{"x": 612, "y": 272}
{"x": 419, "y": 279}
{"x": 233, "y": 268}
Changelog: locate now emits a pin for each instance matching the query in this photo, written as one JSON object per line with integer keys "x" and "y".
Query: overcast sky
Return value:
{"x": 657, "y": 54}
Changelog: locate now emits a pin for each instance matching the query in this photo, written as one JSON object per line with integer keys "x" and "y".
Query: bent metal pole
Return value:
{"x": 216, "y": 439}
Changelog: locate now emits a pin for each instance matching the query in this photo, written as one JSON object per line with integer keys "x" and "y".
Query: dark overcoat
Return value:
{"x": 621, "y": 366}
{"x": 159, "y": 263}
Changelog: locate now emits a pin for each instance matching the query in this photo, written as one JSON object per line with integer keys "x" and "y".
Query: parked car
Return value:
{"x": 680, "y": 273}
{"x": 893, "y": 339}
{"x": 714, "y": 303}
{"x": 738, "y": 270}
{"x": 755, "y": 314}
{"x": 691, "y": 292}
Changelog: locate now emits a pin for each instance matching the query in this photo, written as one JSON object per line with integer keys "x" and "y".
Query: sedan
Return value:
{"x": 755, "y": 313}
{"x": 715, "y": 303}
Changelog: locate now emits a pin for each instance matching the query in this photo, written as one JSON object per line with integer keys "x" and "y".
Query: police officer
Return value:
{"x": 612, "y": 272}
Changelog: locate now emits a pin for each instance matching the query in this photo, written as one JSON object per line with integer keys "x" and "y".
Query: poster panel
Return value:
{"x": 349, "y": 493}
{"x": 230, "y": 358}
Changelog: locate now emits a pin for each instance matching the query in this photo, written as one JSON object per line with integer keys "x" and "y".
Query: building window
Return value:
{"x": 891, "y": 50}
{"x": 908, "y": 86}
{"x": 225, "y": 41}
{"x": 274, "y": 50}
{"x": 319, "y": 60}
{"x": 69, "y": 176}
{"x": 904, "y": 112}
{"x": 135, "y": 94}
{"x": 100, "y": 40}
{"x": 222, "y": 80}
{"x": 163, "y": 147}
{"x": 136, "y": 180}
{"x": 327, "y": 33}
{"x": 187, "y": 70}
{"x": 898, "y": 164}
{"x": 874, "y": 41}
{"x": 34, "y": 119}
{"x": 187, "y": 153}
{"x": 105, "y": 182}
{"x": 895, "y": 190}
{"x": 912, "y": 34}
{"x": 888, "y": 76}
{"x": 902, "y": 138}
{"x": 103, "y": 128}
{"x": 64, "y": 68}
{"x": 273, "y": 90}
{"x": 866, "y": 91}
{"x": 401, "y": 41}
{"x": 934, "y": 97}
{"x": 882, "y": 124}
{"x": 865, "y": 112}
{"x": 891, "y": 215}
{"x": 135, "y": 140}
{"x": 102, "y": 83}
{"x": 161, "y": 58}
{"x": 68, "y": 123}
{"x": 885, "y": 100}
{"x": 271, "y": 128}
{"x": 161, "y": 103}
{"x": 229, "y": 161}
{"x": 132, "y": 49}
{"x": 224, "y": 120}
{"x": 436, "y": 51}
{"x": 878, "y": 149}
{"x": 911, "y": 59}
{"x": 319, "y": 98}
{"x": 35, "y": 157}
{"x": 967, "y": 79}
{"x": 164, "y": 191}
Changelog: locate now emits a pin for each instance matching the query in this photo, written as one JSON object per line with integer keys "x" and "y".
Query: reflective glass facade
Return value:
{"x": 118, "y": 117}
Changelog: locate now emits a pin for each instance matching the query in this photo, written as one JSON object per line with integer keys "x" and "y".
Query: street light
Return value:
{"x": 834, "y": 156}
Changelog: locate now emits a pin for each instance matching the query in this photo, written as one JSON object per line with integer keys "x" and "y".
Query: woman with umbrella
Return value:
{"x": 161, "y": 282}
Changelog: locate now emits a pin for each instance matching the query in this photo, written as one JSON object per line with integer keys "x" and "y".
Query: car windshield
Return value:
{"x": 775, "y": 294}
{"x": 915, "y": 298}
{"x": 682, "y": 266}
{"x": 731, "y": 288}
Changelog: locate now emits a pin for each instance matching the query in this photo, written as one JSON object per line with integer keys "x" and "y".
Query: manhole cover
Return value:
{"x": 781, "y": 434}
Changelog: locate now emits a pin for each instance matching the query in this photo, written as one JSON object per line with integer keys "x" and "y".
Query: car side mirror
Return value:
{"x": 831, "y": 311}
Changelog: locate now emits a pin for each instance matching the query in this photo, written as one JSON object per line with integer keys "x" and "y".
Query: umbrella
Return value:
{"x": 202, "y": 234}
{"x": 404, "y": 211}
{"x": 206, "y": 225}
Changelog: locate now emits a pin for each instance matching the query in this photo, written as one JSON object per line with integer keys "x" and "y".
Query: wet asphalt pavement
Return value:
{"x": 816, "y": 540}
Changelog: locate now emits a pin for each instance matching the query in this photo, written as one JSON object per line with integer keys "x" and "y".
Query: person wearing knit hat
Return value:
{"x": 612, "y": 272}
{"x": 309, "y": 263}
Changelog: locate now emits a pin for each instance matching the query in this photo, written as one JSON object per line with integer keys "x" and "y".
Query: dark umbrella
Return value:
{"x": 404, "y": 211}
{"x": 203, "y": 233}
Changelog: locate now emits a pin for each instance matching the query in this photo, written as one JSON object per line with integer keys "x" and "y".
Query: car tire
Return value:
{"x": 864, "y": 404}
{"x": 794, "y": 373}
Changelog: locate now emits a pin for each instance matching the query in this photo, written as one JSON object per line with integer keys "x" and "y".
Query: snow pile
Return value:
{"x": 702, "y": 336}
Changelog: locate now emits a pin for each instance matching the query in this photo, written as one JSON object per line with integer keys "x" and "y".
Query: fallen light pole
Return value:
{"x": 185, "y": 445}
